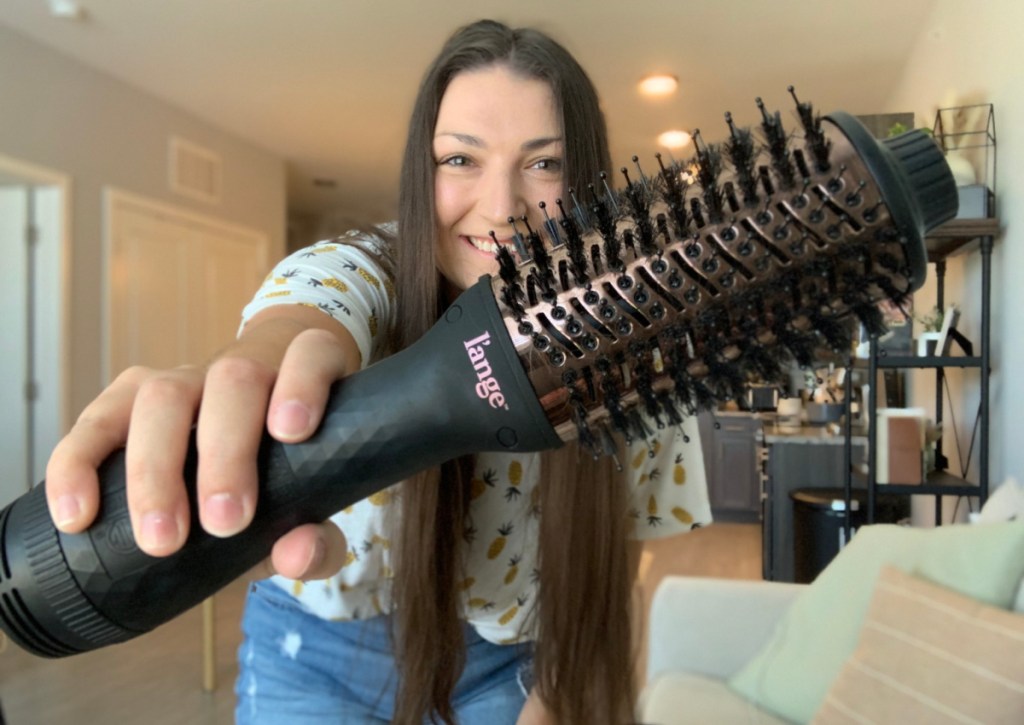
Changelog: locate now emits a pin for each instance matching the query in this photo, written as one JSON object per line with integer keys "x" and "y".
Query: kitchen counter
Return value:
{"x": 817, "y": 434}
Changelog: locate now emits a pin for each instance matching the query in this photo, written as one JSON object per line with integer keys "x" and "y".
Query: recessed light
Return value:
{"x": 67, "y": 10}
{"x": 658, "y": 85}
{"x": 674, "y": 139}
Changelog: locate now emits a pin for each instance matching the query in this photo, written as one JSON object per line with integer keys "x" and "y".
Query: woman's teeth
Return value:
{"x": 484, "y": 245}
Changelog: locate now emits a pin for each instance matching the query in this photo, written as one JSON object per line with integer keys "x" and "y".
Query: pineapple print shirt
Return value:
{"x": 667, "y": 483}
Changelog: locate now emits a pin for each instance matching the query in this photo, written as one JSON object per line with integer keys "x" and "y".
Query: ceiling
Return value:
{"x": 327, "y": 84}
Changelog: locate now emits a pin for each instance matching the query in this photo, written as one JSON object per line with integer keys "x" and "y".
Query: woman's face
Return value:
{"x": 499, "y": 151}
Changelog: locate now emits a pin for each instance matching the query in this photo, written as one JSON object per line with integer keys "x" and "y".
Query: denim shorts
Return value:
{"x": 295, "y": 667}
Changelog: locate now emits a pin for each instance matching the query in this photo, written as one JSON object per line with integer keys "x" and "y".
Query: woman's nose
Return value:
{"x": 501, "y": 196}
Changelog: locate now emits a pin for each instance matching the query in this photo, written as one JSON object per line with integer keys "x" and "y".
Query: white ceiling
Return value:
{"x": 327, "y": 84}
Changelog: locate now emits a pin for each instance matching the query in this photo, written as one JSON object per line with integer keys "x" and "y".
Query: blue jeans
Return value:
{"x": 296, "y": 668}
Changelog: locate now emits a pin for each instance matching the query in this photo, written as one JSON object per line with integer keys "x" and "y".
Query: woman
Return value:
{"x": 489, "y": 577}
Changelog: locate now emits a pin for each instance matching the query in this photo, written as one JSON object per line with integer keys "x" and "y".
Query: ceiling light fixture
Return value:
{"x": 674, "y": 139}
{"x": 659, "y": 85}
{"x": 67, "y": 10}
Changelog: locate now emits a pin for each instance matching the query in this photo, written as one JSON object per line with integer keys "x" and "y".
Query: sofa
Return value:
{"x": 843, "y": 648}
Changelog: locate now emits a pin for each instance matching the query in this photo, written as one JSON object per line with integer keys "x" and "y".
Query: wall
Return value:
{"x": 964, "y": 56}
{"x": 61, "y": 115}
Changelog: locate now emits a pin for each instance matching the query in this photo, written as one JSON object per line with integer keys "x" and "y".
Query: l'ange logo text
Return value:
{"x": 487, "y": 387}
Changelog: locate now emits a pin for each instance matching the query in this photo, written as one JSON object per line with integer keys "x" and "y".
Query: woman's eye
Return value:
{"x": 548, "y": 165}
{"x": 454, "y": 160}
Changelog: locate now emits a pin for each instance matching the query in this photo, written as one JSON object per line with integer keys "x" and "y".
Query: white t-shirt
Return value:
{"x": 668, "y": 489}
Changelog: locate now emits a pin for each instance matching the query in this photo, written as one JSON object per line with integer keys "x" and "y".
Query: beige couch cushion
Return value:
{"x": 675, "y": 698}
{"x": 929, "y": 654}
{"x": 792, "y": 672}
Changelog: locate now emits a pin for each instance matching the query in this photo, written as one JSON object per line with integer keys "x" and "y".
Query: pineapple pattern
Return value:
{"x": 342, "y": 278}
{"x": 665, "y": 476}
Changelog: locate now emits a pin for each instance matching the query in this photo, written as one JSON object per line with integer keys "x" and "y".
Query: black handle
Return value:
{"x": 458, "y": 390}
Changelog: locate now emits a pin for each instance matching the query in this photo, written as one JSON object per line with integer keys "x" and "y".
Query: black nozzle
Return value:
{"x": 915, "y": 182}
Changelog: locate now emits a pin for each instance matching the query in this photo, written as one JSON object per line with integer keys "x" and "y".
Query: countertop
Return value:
{"x": 816, "y": 434}
{"x": 830, "y": 434}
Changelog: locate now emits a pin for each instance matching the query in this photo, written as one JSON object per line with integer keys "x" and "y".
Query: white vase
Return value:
{"x": 922, "y": 343}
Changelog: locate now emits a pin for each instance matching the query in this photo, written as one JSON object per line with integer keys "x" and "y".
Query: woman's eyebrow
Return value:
{"x": 470, "y": 140}
{"x": 539, "y": 143}
{"x": 463, "y": 137}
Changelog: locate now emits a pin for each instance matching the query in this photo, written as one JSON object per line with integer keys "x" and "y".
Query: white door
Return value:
{"x": 177, "y": 282}
{"x": 33, "y": 367}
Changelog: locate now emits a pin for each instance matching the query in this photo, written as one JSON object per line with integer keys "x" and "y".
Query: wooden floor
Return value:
{"x": 157, "y": 679}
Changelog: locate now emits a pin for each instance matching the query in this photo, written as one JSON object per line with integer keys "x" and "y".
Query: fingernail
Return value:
{"x": 223, "y": 514}
{"x": 158, "y": 531}
{"x": 291, "y": 419}
{"x": 66, "y": 510}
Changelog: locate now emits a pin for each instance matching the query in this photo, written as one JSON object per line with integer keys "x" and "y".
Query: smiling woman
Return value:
{"x": 492, "y": 589}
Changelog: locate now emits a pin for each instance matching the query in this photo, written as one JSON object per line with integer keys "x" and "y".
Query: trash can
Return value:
{"x": 819, "y": 524}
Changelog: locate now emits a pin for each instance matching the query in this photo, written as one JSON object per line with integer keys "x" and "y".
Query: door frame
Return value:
{"x": 37, "y": 175}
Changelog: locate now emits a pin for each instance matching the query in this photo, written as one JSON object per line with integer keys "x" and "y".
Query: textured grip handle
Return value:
{"x": 458, "y": 390}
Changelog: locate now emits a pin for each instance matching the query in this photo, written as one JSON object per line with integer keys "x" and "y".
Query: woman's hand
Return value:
{"x": 276, "y": 375}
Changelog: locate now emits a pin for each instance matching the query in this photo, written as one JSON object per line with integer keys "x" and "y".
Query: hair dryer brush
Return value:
{"x": 661, "y": 297}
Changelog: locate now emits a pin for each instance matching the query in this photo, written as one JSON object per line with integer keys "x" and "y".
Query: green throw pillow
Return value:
{"x": 792, "y": 673}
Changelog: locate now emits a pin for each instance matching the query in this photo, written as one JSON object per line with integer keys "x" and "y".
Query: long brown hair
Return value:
{"x": 583, "y": 653}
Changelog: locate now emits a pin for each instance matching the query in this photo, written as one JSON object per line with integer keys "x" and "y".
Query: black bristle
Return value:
{"x": 512, "y": 290}
{"x": 637, "y": 425}
{"x": 674, "y": 195}
{"x": 550, "y": 226}
{"x": 613, "y": 251}
{"x": 801, "y": 165}
{"x": 613, "y": 403}
{"x": 610, "y": 198}
{"x": 871, "y": 317}
{"x": 778, "y": 146}
{"x": 744, "y": 159}
{"x": 584, "y": 434}
{"x": 518, "y": 240}
{"x": 695, "y": 213}
{"x": 763, "y": 361}
{"x": 669, "y": 409}
{"x": 579, "y": 213}
{"x": 818, "y": 145}
{"x": 543, "y": 271}
{"x": 673, "y": 190}
{"x": 603, "y": 218}
{"x": 836, "y": 335}
{"x": 640, "y": 211}
{"x": 725, "y": 379}
{"x": 709, "y": 158}
{"x": 574, "y": 246}
{"x": 704, "y": 397}
{"x": 644, "y": 375}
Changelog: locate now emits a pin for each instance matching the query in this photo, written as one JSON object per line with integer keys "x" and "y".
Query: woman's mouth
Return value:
{"x": 487, "y": 245}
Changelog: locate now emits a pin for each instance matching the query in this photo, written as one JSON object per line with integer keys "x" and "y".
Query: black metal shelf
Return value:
{"x": 937, "y": 483}
{"x": 957, "y": 236}
{"x": 927, "y": 362}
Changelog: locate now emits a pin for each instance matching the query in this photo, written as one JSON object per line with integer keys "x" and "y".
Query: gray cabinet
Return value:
{"x": 730, "y": 448}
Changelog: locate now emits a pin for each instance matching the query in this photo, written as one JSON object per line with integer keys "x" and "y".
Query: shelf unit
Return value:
{"x": 957, "y": 236}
